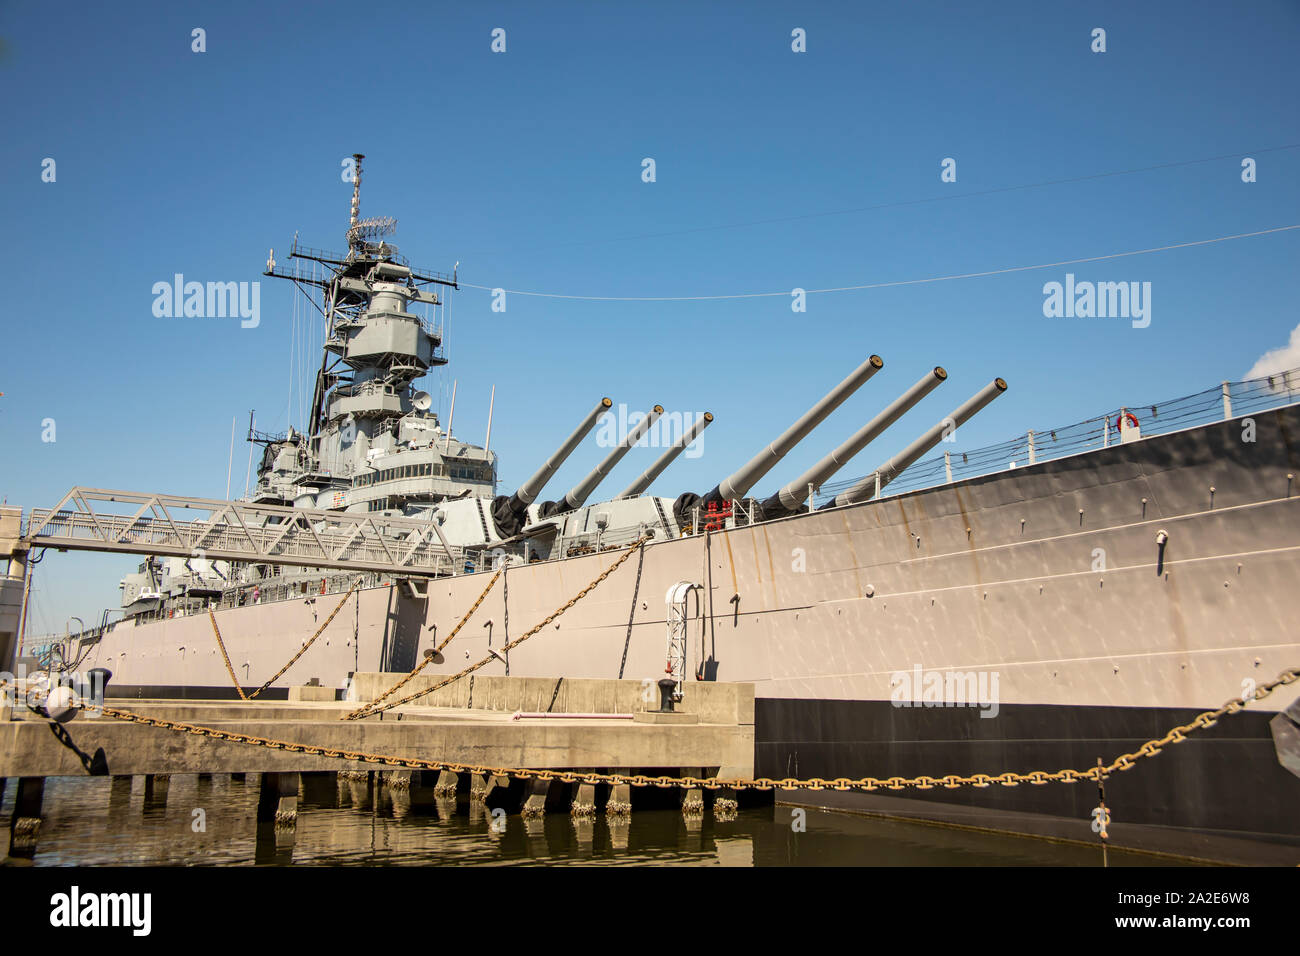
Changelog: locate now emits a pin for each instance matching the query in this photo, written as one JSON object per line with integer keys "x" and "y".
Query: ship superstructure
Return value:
{"x": 1107, "y": 580}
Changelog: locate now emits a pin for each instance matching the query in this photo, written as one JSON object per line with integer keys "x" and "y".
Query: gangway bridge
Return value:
{"x": 125, "y": 522}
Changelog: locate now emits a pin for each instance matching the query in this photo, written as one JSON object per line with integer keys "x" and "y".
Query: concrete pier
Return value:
{"x": 438, "y": 730}
{"x": 514, "y": 724}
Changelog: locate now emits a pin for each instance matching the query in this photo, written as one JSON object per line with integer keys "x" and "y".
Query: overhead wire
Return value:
{"x": 891, "y": 284}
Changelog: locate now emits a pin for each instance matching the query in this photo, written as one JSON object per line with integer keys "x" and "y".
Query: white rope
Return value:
{"x": 885, "y": 285}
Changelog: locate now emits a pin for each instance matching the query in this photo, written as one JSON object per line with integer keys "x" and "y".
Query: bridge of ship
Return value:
{"x": 124, "y": 522}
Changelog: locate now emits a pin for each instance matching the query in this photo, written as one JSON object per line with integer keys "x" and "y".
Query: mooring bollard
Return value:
{"x": 667, "y": 690}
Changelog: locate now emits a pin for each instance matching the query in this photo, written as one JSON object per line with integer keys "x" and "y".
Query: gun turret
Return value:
{"x": 790, "y": 499}
{"x": 878, "y": 479}
{"x": 583, "y": 489}
{"x": 654, "y": 471}
{"x": 508, "y": 513}
{"x": 737, "y": 485}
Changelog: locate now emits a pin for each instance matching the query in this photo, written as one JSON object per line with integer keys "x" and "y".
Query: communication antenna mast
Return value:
{"x": 356, "y": 193}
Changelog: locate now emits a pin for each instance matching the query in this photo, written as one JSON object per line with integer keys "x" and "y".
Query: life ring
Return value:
{"x": 1132, "y": 420}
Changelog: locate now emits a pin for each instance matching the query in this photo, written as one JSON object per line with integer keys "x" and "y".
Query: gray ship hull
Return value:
{"x": 1049, "y": 577}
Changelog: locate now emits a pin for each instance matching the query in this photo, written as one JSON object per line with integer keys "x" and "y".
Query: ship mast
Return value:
{"x": 374, "y": 348}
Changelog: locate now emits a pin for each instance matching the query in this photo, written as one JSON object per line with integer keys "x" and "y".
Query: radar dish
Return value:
{"x": 421, "y": 401}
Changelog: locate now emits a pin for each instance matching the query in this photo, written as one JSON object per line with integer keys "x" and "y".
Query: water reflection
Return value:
{"x": 367, "y": 820}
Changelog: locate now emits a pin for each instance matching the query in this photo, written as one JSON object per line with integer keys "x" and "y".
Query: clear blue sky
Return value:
{"x": 526, "y": 167}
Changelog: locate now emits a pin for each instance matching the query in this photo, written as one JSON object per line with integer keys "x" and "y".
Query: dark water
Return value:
{"x": 97, "y": 821}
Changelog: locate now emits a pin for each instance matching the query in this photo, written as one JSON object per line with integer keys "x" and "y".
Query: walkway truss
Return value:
{"x": 93, "y": 519}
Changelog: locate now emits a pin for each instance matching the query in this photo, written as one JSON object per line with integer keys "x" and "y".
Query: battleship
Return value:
{"x": 1081, "y": 589}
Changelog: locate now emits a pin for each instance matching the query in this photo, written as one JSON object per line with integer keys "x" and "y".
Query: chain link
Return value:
{"x": 303, "y": 650}
{"x": 293, "y": 660}
{"x": 950, "y": 781}
{"x": 224, "y": 656}
{"x": 1008, "y": 778}
{"x": 631, "y": 615}
{"x": 372, "y": 707}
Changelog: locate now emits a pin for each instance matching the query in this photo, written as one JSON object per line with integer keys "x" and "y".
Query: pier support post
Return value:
{"x": 477, "y": 787}
{"x": 155, "y": 789}
{"x": 489, "y": 784}
{"x": 445, "y": 788}
{"x": 359, "y": 788}
{"x": 692, "y": 798}
{"x": 725, "y": 805}
{"x": 535, "y": 801}
{"x": 277, "y": 800}
{"x": 237, "y": 777}
{"x": 584, "y": 800}
{"x": 398, "y": 779}
{"x": 119, "y": 798}
{"x": 620, "y": 797}
{"x": 26, "y": 820}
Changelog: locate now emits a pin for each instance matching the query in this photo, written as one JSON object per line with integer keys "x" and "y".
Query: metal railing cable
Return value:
{"x": 1243, "y": 398}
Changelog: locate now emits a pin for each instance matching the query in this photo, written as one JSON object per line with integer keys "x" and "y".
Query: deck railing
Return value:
{"x": 1223, "y": 401}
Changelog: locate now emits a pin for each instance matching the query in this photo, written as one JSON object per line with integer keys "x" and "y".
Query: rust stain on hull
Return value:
{"x": 731, "y": 562}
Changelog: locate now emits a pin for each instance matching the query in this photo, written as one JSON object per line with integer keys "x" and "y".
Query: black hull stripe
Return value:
{"x": 1225, "y": 781}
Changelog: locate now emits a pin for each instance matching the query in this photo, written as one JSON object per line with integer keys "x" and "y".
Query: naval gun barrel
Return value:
{"x": 789, "y": 499}
{"x": 667, "y": 458}
{"x": 583, "y": 489}
{"x": 891, "y": 469}
{"x": 531, "y": 488}
{"x": 509, "y": 514}
{"x": 663, "y": 461}
{"x": 737, "y": 485}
